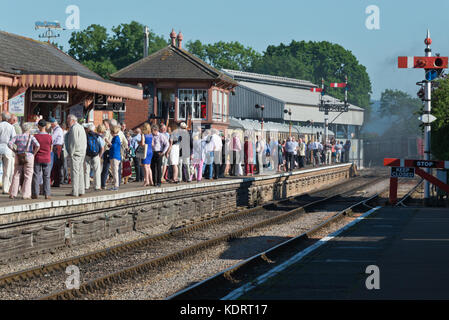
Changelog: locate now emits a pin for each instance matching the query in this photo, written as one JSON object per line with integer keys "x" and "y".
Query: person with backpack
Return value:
{"x": 94, "y": 152}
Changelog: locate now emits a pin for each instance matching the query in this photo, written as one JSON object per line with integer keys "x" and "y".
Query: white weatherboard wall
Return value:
{"x": 304, "y": 113}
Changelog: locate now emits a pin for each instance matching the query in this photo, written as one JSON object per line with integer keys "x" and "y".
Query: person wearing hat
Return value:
{"x": 57, "y": 135}
{"x": 42, "y": 162}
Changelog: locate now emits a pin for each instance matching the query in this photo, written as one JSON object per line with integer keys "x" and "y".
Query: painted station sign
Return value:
{"x": 112, "y": 106}
{"x": 100, "y": 100}
{"x": 401, "y": 172}
{"x": 50, "y": 96}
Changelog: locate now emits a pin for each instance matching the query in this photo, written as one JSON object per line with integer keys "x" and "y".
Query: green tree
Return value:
{"x": 104, "y": 54}
{"x": 225, "y": 55}
{"x": 313, "y": 61}
{"x": 440, "y": 127}
{"x": 126, "y": 44}
{"x": 90, "y": 44}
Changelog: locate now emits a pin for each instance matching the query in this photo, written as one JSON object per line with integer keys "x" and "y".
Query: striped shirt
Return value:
{"x": 21, "y": 142}
{"x": 160, "y": 143}
{"x": 57, "y": 136}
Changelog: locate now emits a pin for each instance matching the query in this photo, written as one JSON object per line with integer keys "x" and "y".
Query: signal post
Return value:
{"x": 433, "y": 67}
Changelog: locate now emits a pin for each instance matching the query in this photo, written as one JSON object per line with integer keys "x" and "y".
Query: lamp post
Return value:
{"x": 289, "y": 111}
{"x": 313, "y": 137}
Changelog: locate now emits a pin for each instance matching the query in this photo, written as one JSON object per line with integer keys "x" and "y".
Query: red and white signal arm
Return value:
{"x": 394, "y": 162}
{"x": 337, "y": 85}
{"x": 316, "y": 89}
{"x": 423, "y": 62}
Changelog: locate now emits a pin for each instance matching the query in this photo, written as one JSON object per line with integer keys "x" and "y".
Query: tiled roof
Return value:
{"x": 27, "y": 56}
{"x": 171, "y": 63}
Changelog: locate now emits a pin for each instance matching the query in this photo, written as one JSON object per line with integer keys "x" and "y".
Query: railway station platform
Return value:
{"x": 409, "y": 246}
{"x": 33, "y": 226}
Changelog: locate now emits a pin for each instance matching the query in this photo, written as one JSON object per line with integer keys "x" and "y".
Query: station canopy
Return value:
{"x": 247, "y": 124}
{"x": 25, "y": 62}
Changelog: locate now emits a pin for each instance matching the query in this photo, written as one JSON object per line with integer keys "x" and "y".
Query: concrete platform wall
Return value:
{"x": 42, "y": 226}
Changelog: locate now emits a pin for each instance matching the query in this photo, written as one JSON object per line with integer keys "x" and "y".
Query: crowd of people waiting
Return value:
{"x": 296, "y": 154}
{"x": 43, "y": 154}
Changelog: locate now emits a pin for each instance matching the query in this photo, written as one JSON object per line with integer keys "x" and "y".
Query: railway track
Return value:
{"x": 221, "y": 284}
{"x": 23, "y": 284}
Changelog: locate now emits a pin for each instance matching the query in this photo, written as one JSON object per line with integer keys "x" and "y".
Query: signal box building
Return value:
{"x": 50, "y": 83}
{"x": 178, "y": 87}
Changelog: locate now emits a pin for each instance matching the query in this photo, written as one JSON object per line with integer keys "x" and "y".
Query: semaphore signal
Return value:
{"x": 433, "y": 67}
{"x": 327, "y": 106}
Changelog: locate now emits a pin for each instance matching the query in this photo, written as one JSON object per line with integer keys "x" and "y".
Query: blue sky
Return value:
{"x": 403, "y": 25}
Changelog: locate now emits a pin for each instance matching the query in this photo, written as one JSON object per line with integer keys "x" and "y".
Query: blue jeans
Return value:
{"x": 105, "y": 171}
{"x": 211, "y": 160}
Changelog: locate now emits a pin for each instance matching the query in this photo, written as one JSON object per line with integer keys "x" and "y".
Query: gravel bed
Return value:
{"x": 56, "y": 281}
{"x": 176, "y": 276}
{"x": 37, "y": 287}
{"x": 66, "y": 253}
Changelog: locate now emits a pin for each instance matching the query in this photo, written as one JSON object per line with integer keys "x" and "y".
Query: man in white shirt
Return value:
{"x": 7, "y": 132}
{"x": 338, "y": 148}
{"x": 217, "y": 145}
{"x": 209, "y": 148}
{"x": 315, "y": 153}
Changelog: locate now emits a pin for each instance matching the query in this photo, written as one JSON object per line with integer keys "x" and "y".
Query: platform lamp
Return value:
{"x": 311, "y": 123}
{"x": 289, "y": 111}
{"x": 261, "y": 107}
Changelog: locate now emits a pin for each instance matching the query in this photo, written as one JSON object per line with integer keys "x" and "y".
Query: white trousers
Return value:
{"x": 8, "y": 170}
{"x": 77, "y": 175}
{"x": 95, "y": 164}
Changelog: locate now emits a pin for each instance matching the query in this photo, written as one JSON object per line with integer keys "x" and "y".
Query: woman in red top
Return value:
{"x": 42, "y": 162}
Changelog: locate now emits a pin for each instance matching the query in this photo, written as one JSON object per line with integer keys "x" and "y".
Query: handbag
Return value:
{"x": 22, "y": 157}
{"x": 141, "y": 151}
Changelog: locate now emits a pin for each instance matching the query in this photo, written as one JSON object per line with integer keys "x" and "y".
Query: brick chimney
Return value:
{"x": 180, "y": 37}
{"x": 173, "y": 37}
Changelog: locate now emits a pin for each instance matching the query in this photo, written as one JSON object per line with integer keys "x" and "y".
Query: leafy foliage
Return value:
{"x": 313, "y": 61}
{"x": 104, "y": 53}
{"x": 225, "y": 55}
{"x": 440, "y": 127}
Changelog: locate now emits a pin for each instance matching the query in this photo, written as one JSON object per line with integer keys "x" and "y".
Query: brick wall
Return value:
{"x": 136, "y": 113}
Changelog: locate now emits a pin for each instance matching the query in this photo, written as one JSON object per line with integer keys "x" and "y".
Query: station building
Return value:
{"x": 51, "y": 83}
{"x": 178, "y": 87}
{"x": 278, "y": 94}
